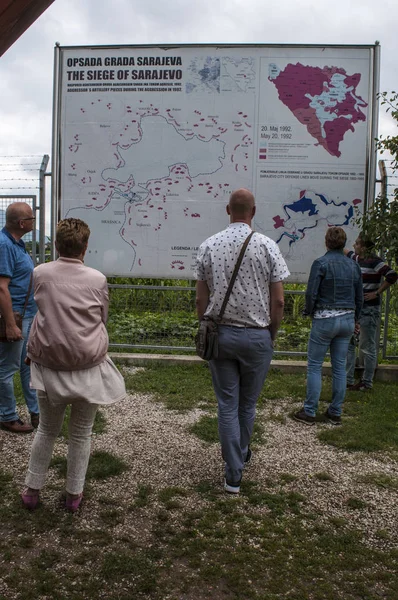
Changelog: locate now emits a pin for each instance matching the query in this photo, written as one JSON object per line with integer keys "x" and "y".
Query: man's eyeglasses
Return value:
{"x": 28, "y": 219}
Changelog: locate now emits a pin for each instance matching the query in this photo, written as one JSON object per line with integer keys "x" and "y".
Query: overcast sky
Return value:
{"x": 26, "y": 69}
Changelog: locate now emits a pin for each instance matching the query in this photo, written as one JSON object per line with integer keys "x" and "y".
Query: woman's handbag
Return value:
{"x": 18, "y": 320}
{"x": 17, "y": 316}
{"x": 206, "y": 339}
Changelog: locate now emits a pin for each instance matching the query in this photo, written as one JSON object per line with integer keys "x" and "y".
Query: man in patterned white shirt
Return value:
{"x": 248, "y": 328}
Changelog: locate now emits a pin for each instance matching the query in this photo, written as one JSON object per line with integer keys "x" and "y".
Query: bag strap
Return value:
{"x": 234, "y": 274}
{"x": 27, "y": 295}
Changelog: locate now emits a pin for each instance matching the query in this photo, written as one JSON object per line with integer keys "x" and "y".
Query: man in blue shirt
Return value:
{"x": 16, "y": 269}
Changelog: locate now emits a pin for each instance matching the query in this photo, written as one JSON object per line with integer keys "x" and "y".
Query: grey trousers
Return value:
{"x": 238, "y": 376}
{"x": 80, "y": 427}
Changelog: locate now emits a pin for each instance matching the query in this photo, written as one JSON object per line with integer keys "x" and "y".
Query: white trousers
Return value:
{"x": 80, "y": 428}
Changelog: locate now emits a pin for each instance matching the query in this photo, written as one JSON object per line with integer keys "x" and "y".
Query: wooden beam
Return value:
{"x": 16, "y": 16}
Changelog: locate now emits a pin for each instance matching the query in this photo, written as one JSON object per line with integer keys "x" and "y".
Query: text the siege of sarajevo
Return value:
{"x": 75, "y": 73}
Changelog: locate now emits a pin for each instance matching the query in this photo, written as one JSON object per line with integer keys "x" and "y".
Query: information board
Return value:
{"x": 150, "y": 141}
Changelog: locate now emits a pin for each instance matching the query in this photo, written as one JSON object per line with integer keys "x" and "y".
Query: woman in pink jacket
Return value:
{"x": 67, "y": 348}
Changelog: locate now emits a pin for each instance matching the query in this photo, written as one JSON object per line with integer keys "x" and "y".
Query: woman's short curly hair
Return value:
{"x": 72, "y": 237}
{"x": 335, "y": 238}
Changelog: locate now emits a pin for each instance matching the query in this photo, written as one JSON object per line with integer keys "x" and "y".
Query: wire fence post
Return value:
{"x": 42, "y": 208}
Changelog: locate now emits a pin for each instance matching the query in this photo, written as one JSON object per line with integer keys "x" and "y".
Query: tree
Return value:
{"x": 380, "y": 222}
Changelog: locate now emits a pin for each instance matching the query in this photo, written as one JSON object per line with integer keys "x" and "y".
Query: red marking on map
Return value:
{"x": 356, "y": 201}
{"x": 328, "y": 106}
{"x": 177, "y": 264}
{"x": 278, "y": 222}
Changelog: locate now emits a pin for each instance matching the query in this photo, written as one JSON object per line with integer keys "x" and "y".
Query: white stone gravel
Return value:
{"x": 160, "y": 451}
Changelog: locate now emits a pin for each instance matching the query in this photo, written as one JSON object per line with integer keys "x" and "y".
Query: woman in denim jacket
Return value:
{"x": 334, "y": 300}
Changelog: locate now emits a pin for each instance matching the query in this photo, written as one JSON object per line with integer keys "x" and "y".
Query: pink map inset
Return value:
{"x": 322, "y": 99}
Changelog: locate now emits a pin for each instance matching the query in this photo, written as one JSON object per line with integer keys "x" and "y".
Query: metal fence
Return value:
{"x": 27, "y": 174}
{"x": 159, "y": 318}
{"x": 31, "y": 238}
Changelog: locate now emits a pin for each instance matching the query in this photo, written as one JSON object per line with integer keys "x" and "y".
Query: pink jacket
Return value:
{"x": 68, "y": 332}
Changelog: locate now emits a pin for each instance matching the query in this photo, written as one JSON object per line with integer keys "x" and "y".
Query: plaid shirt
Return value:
{"x": 373, "y": 268}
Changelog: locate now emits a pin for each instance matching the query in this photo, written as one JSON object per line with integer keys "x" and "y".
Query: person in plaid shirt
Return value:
{"x": 377, "y": 276}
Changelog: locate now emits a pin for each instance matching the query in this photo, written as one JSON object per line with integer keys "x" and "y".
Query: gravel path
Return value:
{"x": 160, "y": 451}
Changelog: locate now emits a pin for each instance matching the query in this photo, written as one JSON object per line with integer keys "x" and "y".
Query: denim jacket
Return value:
{"x": 334, "y": 283}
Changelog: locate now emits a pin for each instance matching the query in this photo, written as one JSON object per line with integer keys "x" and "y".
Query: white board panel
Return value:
{"x": 152, "y": 140}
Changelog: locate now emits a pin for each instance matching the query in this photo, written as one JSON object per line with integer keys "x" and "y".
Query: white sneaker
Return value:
{"x": 231, "y": 489}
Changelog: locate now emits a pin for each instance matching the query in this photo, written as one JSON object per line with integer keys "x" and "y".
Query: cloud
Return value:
{"x": 26, "y": 69}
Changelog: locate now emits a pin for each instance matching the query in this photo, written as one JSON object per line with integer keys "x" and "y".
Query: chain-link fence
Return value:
{"x": 31, "y": 238}
{"x": 162, "y": 318}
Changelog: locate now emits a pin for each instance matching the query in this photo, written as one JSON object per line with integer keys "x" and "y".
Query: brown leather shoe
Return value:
{"x": 17, "y": 426}
{"x": 34, "y": 419}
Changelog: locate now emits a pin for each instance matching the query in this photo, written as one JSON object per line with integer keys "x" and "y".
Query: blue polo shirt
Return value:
{"x": 16, "y": 263}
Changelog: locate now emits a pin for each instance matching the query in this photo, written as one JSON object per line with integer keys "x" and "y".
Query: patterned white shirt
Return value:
{"x": 263, "y": 263}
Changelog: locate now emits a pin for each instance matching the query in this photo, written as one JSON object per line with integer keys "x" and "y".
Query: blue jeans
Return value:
{"x": 12, "y": 359}
{"x": 333, "y": 333}
{"x": 368, "y": 336}
{"x": 238, "y": 376}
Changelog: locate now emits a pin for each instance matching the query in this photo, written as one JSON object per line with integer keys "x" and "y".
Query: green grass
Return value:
{"x": 206, "y": 428}
{"x": 380, "y": 480}
{"x": 356, "y": 503}
{"x": 101, "y": 466}
{"x": 142, "y": 496}
{"x": 182, "y": 541}
{"x": 179, "y": 387}
{"x": 265, "y": 545}
{"x": 323, "y": 476}
{"x": 369, "y": 419}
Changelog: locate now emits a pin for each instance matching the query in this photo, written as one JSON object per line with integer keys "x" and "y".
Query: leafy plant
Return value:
{"x": 380, "y": 222}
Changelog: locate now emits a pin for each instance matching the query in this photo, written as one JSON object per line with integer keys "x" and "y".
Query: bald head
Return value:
{"x": 19, "y": 219}
{"x": 241, "y": 206}
{"x": 17, "y": 211}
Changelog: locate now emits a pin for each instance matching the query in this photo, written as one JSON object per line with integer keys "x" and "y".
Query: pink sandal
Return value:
{"x": 30, "y": 501}
{"x": 73, "y": 504}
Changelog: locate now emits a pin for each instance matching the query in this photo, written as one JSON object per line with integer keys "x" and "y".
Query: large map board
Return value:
{"x": 150, "y": 141}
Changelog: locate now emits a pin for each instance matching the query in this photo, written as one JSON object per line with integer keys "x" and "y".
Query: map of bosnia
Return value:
{"x": 322, "y": 99}
{"x": 311, "y": 210}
